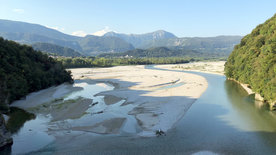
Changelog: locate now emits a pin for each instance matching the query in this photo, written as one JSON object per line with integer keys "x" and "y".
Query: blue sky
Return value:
{"x": 184, "y": 18}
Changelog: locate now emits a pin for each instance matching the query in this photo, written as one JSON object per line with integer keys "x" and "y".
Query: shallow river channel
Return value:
{"x": 224, "y": 120}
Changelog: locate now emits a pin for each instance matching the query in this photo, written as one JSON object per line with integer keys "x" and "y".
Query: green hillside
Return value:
{"x": 24, "y": 70}
{"x": 253, "y": 61}
{"x": 93, "y": 45}
{"x": 55, "y": 49}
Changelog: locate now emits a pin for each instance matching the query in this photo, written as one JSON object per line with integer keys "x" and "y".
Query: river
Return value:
{"x": 224, "y": 120}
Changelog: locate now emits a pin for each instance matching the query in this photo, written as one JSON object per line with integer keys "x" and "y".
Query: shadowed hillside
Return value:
{"x": 24, "y": 70}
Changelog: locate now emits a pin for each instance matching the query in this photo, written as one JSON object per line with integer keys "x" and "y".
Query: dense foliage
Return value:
{"x": 24, "y": 70}
{"x": 253, "y": 61}
{"x": 53, "y": 49}
{"x": 163, "y": 52}
{"x": 152, "y": 52}
{"x": 79, "y": 62}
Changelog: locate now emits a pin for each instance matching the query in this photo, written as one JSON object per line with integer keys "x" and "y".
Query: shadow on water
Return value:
{"x": 34, "y": 133}
{"x": 246, "y": 109}
{"x": 17, "y": 118}
{"x": 223, "y": 120}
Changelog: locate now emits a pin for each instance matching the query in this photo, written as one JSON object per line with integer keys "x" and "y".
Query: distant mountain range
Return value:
{"x": 112, "y": 42}
{"x": 142, "y": 40}
{"x": 33, "y": 33}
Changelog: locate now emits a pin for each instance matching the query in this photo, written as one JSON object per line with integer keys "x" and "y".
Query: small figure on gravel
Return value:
{"x": 160, "y": 133}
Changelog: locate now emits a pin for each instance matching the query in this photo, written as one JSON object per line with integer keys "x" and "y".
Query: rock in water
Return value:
{"x": 5, "y": 135}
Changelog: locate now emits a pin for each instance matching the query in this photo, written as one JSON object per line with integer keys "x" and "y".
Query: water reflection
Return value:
{"x": 31, "y": 133}
{"x": 32, "y": 136}
{"x": 223, "y": 120}
{"x": 247, "y": 114}
{"x": 17, "y": 118}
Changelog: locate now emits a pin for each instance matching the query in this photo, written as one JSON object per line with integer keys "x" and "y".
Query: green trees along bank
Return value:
{"x": 253, "y": 61}
{"x": 81, "y": 62}
{"x": 24, "y": 70}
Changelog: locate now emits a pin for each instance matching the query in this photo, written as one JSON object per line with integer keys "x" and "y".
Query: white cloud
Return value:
{"x": 79, "y": 33}
{"x": 56, "y": 28}
{"x": 20, "y": 11}
{"x": 102, "y": 32}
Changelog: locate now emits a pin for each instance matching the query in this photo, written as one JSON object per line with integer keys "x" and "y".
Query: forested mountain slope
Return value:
{"x": 253, "y": 61}
{"x": 55, "y": 49}
{"x": 24, "y": 70}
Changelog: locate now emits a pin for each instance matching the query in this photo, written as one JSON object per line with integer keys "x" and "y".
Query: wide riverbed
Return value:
{"x": 224, "y": 120}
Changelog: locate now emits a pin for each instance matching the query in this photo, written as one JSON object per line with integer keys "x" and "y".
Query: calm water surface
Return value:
{"x": 224, "y": 120}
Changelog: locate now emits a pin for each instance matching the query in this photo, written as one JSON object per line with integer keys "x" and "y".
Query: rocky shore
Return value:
{"x": 5, "y": 135}
{"x": 257, "y": 96}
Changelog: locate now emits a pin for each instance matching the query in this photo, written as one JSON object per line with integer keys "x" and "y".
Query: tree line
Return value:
{"x": 24, "y": 70}
{"x": 80, "y": 62}
{"x": 253, "y": 61}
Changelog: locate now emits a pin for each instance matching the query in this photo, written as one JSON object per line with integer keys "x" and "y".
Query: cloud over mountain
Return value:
{"x": 79, "y": 33}
{"x": 102, "y": 32}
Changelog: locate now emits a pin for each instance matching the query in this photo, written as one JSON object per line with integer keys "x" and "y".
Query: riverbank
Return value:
{"x": 212, "y": 67}
{"x": 44, "y": 96}
{"x": 233, "y": 117}
{"x": 117, "y": 100}
{"x": 5, "y": 135}
{"x": 159, "y": 98}
{"x": 257, "y": 96}
{"x": 215, "y": 68}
